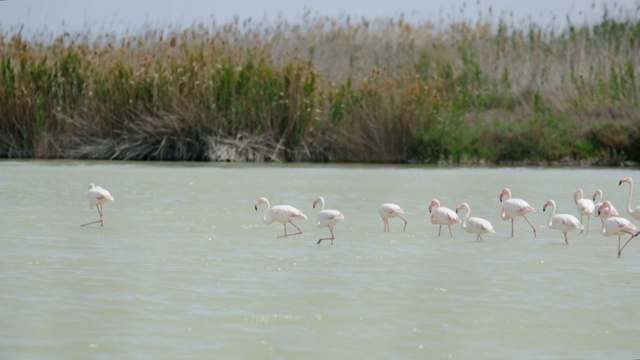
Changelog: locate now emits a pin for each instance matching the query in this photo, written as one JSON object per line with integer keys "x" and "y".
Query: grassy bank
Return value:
{"x": 332, "y": 90}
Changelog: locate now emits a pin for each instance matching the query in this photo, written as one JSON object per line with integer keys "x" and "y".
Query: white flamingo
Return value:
{"x": 635, "y": 213}
{"x": 97, "y": 196}
{"x": 584, "y": 206}
{"x": 562, "y": 222}
{"x": 515, "y": 207}
{"x": 474, "y": 225}
{"x": 282, "y": 213}
{"x": 615, "y": 225}
{"x": 327, "y": 218}
{"x": 598, "y": 195}
{"x": 441, "y": 215}
{"x": 388, "y": 211}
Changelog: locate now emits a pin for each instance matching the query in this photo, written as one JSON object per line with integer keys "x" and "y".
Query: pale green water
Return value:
{"x": 184, "y": 268}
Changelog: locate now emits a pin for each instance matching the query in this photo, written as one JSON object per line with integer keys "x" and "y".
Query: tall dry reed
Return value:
{"x": 383, "y": 90}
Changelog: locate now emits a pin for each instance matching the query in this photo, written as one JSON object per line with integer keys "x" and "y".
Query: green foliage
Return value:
{"x": 392, "y": 92}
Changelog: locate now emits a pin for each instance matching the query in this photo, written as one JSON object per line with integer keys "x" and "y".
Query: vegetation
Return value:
{"x": 383, "y": 90}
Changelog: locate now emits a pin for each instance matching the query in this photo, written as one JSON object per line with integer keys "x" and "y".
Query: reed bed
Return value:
{"x": 334, "y": 89}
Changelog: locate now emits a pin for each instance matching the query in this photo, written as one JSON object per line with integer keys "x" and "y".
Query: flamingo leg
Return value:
{"x": 294, "y": 225}
{"x": 566, "y": 241}
{"x": 97, "y": 221}
{"x": 385, "y": 224}
{"x": 439, "y": 230}
{"x": 405, "y": 223}
{"x": 331, "y": 238}
{"x": 101, "y": 212}
{"x": 479, "y": 238}
{"x": 450, "y": 233}
{"x": 511, "y": 227}
{"x": 532, "y": 227}
{"x": 285, "y": 230}
{"x": 625, "y": 244}
{"x": 619, "y": 251}
{"x": 588, "y": 223}
{"x": 93, "y": 222}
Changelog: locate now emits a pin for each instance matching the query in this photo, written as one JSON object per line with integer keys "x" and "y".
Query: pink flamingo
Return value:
{"x": 584, "y": 206}
{"x": 97, "y": 196}
{"x": 441, "y": 215}
{"x": 515, "y": 207}
{"x": 635, "y": 213}
{"x": 282, "y": 213}
{"x": 388, "y": 211}
{"x": 474, "y": 225}
{"x": 598, "y": 195}
{"x": 615, "y": 225}
{"x": 327, "y": 218}
{"x": 562, "y": 222}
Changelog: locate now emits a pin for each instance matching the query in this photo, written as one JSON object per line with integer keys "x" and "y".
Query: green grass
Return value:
{"x": 333, "y": 90}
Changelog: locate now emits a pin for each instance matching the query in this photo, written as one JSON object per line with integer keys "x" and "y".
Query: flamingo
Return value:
{"x": 562, "y": 222}
{"x": 585, "y": 206}
{"x": 441, "y": 215}
{"x": 598, "y": 195}
{"x": 474, "y": 225}
{"x": 328, "y": 218}
{"x": 388, "y": 211}
{"x": 515, "y": 207}
{"x": 282, "y": 213}
{"x": 615, "y": 225}
{"x": 97, "y": 196}
{"x": 635, "y": 213}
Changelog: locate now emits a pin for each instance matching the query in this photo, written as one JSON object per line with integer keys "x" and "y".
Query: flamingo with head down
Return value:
{"x": 97, "y": 196}
{"x": 282, "y": 213}
{"x": 515, "y": 207}
{"x": 389, "y": 211}
{"x": 615, "y": 225}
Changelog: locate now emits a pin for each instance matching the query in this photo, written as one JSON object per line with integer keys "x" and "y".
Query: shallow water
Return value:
{"x": 184, "y": 268}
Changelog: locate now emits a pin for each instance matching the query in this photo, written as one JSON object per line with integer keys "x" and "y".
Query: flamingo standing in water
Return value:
{"x": 327, "y": 218}
{"x": 584, "y": 206}
{"x": 441, "y": 215}
{"x": 515, "y": 207}
{"x": 598, "y": 195}
{"x": 615, "y": 225}
{"x": 282, "y": 213}
{"x": 562, "y": 222}
{"x": 474, "y": 225}
{"x": 97, "y": 196}
{"x": 388, "y": 211}
{"x": 635, "y": 213}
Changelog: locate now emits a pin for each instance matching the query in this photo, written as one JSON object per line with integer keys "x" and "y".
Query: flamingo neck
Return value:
{"x": 553, "y": 212}
{"x": 266, "y": 215}
{"x": 630, "y": 195}
{"x": 465, "y": 219}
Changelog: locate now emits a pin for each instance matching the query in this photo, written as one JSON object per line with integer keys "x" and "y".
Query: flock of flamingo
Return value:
{"x": 612, "y": 223}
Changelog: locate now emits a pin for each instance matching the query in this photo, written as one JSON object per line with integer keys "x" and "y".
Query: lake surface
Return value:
{"x": 184, "y": 267}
